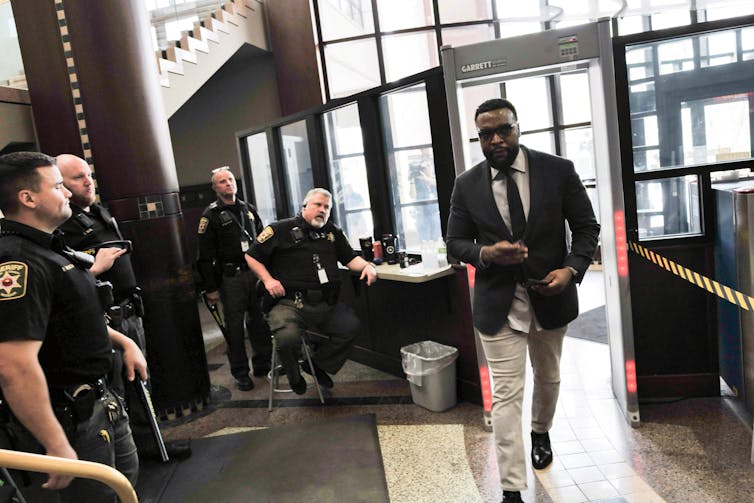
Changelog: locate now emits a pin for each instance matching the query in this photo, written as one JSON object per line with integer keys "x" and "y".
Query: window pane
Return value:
{"x": 458, "y": 11}
{"x": 297, "y": 164}
{"x": 261, "y": 177}
{"x": 574, "y": 91}
{"x": 351, "y": 67}
{"x": 579, "y": 148}
{"x": 747, "y": 44}
{"x": 345, "y": 18}
{"x": 411, "y": 164}
{"x": 717, "y": 49}
{"x": 11, "y": 64}
{"x": 630, "y": 24}
{"x": 644, "y": 131}
{"x": 526, "y": 9}
{"x": 476, "y": 154}
{"x": 406, "y": 117}
{"x": 465, "y": 35}
{"x": 690, "y": 114}
{"x": 668, "y": 207}
{"x": 677, "y": 56}
{"x": 670, "y": 19}
{"x": 544, "y": 141}
{"x": 348, "y": 174}
{"x": 577, "y": 12}
{"x": 471, "y": 98}
{"x": 745, "y": 8}
{"x": 531, "y": 98}
{"x": 514, "y": 29}
{"x": 409, "y": 54}
{"x": 401, "y": 14}
{"x": 731, "y": 175}
{"x": 716, "y": 129}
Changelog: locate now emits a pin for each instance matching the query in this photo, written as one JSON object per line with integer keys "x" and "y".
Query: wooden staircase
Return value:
{"x": 189, "y": 62}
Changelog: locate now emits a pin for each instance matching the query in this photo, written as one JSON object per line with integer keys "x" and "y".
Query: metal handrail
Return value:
{"x": 73, "y": 467}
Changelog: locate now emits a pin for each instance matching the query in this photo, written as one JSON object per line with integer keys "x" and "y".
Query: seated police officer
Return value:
{"x": 226, "y": 230}
{"x": 297, "y": 261}
{"x": 55, "y": 348}
{"x": 89, "y": 227}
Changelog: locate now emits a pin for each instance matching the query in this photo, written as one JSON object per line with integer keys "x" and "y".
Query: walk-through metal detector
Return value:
{"x": 586, "y": 47}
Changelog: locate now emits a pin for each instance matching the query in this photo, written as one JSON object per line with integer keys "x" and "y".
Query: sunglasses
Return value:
{"x": 503, "y": 131}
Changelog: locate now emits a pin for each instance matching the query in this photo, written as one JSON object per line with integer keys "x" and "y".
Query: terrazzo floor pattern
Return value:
{"x": 689, "y": 450}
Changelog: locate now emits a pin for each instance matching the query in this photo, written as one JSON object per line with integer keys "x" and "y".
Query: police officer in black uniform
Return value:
{"x": 297, "y": 260}
{"x": 89, "y": 227}
{"x": 55, "y": 348}
{"x": 227, "y": 229}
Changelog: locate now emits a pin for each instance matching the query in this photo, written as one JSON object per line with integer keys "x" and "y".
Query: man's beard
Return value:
{"x": 317, "y": 223}
{"x": 512, "y": 153}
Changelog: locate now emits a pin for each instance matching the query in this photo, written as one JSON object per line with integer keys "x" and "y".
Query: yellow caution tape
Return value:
{"x": 724, "y": 292}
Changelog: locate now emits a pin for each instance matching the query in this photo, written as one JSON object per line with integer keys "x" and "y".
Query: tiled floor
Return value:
{"x": 690, "y": 450}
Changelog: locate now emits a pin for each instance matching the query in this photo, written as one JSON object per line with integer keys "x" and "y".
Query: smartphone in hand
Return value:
{"x": 535, "y": 282}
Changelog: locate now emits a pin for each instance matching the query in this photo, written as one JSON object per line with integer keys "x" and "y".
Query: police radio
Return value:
{"x": 298, "y": 234}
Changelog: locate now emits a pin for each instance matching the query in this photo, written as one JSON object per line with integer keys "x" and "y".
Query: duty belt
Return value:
{"x": 230, "y": 269}
{"x": 71, "y": 393}
{"x": 313, "y": 296}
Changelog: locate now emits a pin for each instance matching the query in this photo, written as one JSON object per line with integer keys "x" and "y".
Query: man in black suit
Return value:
{"x": 508, "y": 218}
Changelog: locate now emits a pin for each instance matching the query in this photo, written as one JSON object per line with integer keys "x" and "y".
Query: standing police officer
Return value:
{"x": 89, "y": 227}
{"x": 297, "y": 260}
{"x": 227, "y": 229}
{"x": 55, "y": 348}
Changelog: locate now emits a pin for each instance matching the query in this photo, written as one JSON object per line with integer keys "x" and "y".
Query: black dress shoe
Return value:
{"x": 512, "y": 497}
{"x": 297, "y": 382}
{"x": 323, "y": 379}
{"x": 541, "y": 452}
{"x": 244, "y": 383}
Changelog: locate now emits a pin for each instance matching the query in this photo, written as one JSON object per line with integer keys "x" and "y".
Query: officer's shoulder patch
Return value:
{"x": 266, "y": 234}
{"x": 203, "y": 223}
{"x": 13, "y": 276}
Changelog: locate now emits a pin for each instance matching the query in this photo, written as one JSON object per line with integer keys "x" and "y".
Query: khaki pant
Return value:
{"x": 506, "y": 356}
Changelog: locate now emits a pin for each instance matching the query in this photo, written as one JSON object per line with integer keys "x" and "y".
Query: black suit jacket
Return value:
{"x": 556, "y": 196}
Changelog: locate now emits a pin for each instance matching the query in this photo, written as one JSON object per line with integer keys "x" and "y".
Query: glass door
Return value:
{"x": 686, "y": 107}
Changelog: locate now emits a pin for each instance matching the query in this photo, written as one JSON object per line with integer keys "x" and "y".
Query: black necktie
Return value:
{"x": 515, "y": 207}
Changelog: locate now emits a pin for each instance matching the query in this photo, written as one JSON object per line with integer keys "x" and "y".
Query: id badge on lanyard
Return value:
{"x": 321, "y": 273}
{"x": 244, "y": 245}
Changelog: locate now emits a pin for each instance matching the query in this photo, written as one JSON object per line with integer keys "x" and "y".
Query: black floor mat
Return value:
{"x": 328, "y": 461}
{"x": 590, "y": 325}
